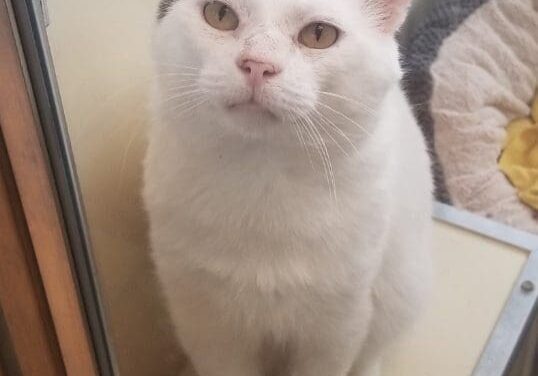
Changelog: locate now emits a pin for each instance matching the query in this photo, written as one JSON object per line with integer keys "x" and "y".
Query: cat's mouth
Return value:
{"x": 251, "y": 106}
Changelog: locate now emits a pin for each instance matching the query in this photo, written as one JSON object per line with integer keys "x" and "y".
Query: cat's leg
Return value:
{"x": 213, "y": 338}
{"x": 327, "y": 355}
{"x": 217, "y": 352}
{"x": 330, "y": 347}
{"x": 398, "y": 296}
{"x": 210, "y": 328}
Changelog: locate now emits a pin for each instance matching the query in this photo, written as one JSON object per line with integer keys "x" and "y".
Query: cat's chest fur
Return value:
{"x": 264, "y": 220}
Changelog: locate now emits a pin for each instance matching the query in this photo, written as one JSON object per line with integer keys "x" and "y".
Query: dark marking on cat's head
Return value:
{"x": 164, "y": 7}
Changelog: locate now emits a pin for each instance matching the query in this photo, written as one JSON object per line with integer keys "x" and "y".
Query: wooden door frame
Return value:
{"x": 54, "y": 288}
{"x": 29, "y": 333}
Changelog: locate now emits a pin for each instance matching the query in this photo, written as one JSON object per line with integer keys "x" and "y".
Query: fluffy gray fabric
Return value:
{"x": 419, "y": 52}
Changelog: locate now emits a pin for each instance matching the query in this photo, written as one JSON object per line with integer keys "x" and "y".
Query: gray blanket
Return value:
{"x": 420, "y": 45}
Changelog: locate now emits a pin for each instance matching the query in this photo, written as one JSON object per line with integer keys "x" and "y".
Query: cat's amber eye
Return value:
{"x": 319, "y": 35}
{"x": 221, "y": 16}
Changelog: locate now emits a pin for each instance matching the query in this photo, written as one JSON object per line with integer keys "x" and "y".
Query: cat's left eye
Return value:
{"x": 319, "y": 35}
{"x": 221, "y": 16}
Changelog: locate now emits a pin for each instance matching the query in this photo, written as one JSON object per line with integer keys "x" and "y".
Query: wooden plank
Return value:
{"x": 30, "y": 166}
{"x": 21, "y": 297}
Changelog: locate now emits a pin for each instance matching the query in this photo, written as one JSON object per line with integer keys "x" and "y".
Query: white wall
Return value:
{"x": 101, "y": 55}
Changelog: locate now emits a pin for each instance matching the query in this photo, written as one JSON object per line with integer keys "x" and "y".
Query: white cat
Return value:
{"x": 287, "y": 183}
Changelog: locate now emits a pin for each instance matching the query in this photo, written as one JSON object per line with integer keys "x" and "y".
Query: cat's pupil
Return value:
{"x": 223, "y": 12}
{"x": 319, "y": 31}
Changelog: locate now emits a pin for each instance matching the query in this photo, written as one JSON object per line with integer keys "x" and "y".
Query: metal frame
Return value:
{"x": 30, "y": 20}
{"x": 505, "y": 339}
{"x": 517, "y": 315}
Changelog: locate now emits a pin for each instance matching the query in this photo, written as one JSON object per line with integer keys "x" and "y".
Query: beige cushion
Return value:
{"x": 485, "y": 75}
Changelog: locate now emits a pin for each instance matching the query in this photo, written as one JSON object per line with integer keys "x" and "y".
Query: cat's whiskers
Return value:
{"x": 179, "y": 95}
{"x": 333, "y": 126}
{"x": 192, "y": 107}
{"x": 183, "y": 81}
{"x": 322, "y": 123}
{"x": 363, "y": 106}
{"x": 187, "y": 101}
{"x": 317, "y": 140}
{"x": 183, "y": 85}
{"x": 135, "y": 135}
{"x": 344, "y": 116}
{"x": 182, "y": 66}
{"x": 194, "y": 101}
{"x": 293, "y": 121}
{"x": 310, "y": 143}
{"x": 177, "y": 74}
{"x": 326, "y": 157}
{"x": 368, "y": 109}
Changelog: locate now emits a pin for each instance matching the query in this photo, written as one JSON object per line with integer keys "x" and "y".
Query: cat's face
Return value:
{"x": 258, "y": 65}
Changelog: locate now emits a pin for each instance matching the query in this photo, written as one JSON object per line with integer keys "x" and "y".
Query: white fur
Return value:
{"x": 261, "y": 256}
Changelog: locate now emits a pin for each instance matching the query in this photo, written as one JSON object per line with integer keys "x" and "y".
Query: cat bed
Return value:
{"x": 471, "y": 68}
{"x": 519, "y": 159}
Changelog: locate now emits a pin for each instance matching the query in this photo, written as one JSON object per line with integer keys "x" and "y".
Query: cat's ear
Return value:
{"x": 389, "y": 14}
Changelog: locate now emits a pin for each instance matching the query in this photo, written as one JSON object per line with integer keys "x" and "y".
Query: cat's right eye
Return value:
{"x": 221, "y": 16}
{"x": 319, "y": 35}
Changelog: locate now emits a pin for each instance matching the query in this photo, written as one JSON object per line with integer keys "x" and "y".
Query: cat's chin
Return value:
{"x": 252, "y": 116}
{"x": 251, "y": 120}
{"x": 252, "y": 110}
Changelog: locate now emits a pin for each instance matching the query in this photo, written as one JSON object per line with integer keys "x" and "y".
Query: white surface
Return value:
{"x": 100, "y": 49}
{"x": 474, "y": 277}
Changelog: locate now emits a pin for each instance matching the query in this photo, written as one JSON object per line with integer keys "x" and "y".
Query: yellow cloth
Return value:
{"x": 519, "y": 158}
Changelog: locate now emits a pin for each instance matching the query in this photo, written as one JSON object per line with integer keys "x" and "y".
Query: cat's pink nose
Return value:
{"x": 258, "y": 72}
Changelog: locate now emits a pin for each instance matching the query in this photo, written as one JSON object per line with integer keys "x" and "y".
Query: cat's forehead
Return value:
{"x": 276, "y": 9}
{"x": 301, "y": 9}
{"x": 293, "y": 6}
